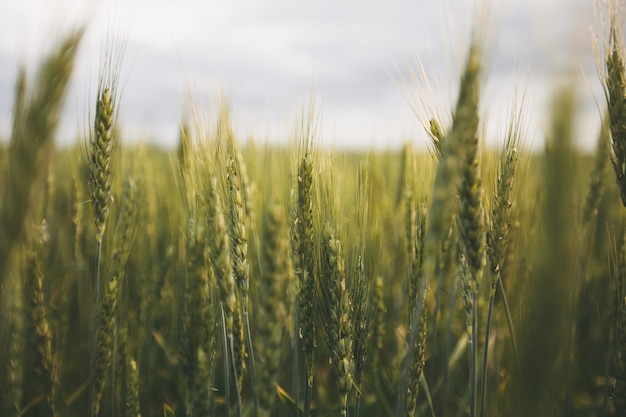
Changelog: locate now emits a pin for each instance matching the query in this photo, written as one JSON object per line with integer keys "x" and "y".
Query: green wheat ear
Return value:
{"x": 106, "y": 324}
{"x": 336, "y": 310}
{"x": 40, "y": 332}
{"x": 615, "y": 90}
{"x": 36, "y": 117}
{"x": 100, "y": 159}
{"x": 302, "y": 231}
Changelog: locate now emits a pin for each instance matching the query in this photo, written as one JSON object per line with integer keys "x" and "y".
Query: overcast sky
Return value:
{"x": 267, "y": 55}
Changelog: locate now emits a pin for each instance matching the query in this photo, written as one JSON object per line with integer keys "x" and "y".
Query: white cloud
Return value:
{"x": 266, "y": 55}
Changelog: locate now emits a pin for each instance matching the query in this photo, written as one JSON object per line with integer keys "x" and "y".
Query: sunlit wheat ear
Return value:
{"x": 238, "y": 235}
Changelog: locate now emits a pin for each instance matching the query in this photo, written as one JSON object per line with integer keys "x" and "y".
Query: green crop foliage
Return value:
{"x": 238, "y": 279}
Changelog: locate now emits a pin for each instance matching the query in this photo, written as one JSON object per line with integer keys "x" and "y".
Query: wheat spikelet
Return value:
{"x": 104, "y": 341}
{"x": 220, "y": 260}
{"x": 336, "y": 309}
{"x": 501, "y": 217}
{"x": 471, "y": 229}
{"x": 39, "y": 333}
{"x": 219, "y": 254}
{"x": 379, "y": 312}
{"x": 238, "y": 236}
{"x": 120, "y": 361}
{"x": 100, "y": 160}
{"x": 238, "y": 347}
{"x": 106, "y": 319}
{"x": 240, "y": 212}
{"x": 132, "y": 389}
{"x": 304, "y": 249}
{"x": 359, "y": 294}
{"x": 416, "y": 365}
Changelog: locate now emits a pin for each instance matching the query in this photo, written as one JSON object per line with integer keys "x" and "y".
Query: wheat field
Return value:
{"x": 232, "y": 279}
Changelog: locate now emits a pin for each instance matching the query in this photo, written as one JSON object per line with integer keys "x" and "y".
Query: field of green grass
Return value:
{"x": 229, "y": 280}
